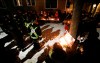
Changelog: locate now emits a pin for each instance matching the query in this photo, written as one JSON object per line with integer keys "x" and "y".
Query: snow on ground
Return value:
{"x": 8, "y": 43}
{"x": 58, "y": 26}
{"x": 2, "y": 34}
{"x": 35, "y": 57}
{"x": 22, "y": 55}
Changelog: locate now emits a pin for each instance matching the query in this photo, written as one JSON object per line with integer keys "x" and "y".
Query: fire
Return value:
{"x": 66, "y": 41}
{"x": 63, "y": 42}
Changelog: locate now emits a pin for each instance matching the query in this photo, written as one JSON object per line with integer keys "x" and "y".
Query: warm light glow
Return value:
{"x": 66, "y": 41}
{"x": 52, "y": 19}
{"x": 94, "y": 5}
{"x": 18, "y": 2}
{"x": 62, "y": 41}
{"x": 98, "y": 8}
{"x": 43, "y": 19}
{"x": 69, "y": 22}
{"x": 81, "y": 50}
{"x": 58, "y": 19}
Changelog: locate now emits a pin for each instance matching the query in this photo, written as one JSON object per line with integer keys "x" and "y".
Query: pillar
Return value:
{"x": 77, "y": 10}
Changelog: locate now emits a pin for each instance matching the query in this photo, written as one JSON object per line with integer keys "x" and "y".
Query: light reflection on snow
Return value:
{"x": 35, "y": 57}
{"x": 58, "y": 26}
{"x": 23, "y": 54}
{"x": 66, "y": 41}
{"x": 8, "y": 43}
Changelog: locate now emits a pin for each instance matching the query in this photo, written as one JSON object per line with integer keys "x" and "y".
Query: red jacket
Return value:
{"x": 66, "y": 27}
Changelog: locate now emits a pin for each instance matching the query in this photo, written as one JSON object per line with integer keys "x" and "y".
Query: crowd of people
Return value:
{"x": 17, "y": 24}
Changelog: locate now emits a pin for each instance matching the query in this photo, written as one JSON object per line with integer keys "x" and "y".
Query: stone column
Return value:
{"x": 76, "y": 16}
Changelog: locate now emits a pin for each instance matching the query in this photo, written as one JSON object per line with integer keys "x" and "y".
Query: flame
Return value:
{"x": 62, "y": 41}
{"x": 66, "y": 41}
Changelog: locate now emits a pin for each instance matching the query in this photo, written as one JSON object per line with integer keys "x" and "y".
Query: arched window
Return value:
{"x": 18, "y": 2}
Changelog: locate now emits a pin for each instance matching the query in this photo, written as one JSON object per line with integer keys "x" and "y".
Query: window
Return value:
{"x": 50, "y": 4}
{"x": 27, "y": 2}
{"x": 2, "y": 4}
{"x": 30, "y": 2}
{"x": 18, "y": 2}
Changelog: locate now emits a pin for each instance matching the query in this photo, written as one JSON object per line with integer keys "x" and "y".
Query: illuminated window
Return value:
{"x": 50, "y": 4}
{"x": 18, "y": 2}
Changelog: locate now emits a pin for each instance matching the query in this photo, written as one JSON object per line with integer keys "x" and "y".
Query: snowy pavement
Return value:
{"x": 58, "y": 26}
{"x": 55, "y": 27}
{"x": 50, "y": 42}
